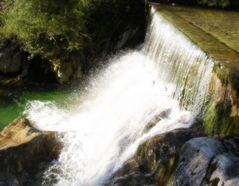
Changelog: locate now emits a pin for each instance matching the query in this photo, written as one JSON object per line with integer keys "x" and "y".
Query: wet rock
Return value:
{"x": 222, "y": 112}
{"x": 156, "y": 119}
{"x": 208, "y": 161}
{"x": 155, "y": 160}
{"x": 170, "y": 159}
{"x": 194, "y": 160}
{"x": 136, "y": 179}
{"x": 224, "y": 170}
{"x": 25, "y": 153}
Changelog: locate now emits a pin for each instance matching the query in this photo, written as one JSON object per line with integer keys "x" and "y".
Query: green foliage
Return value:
{"x": 52, "y": 29}
{"x": 68, "y": 30}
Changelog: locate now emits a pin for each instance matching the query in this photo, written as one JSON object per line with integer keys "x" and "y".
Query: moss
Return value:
{"x": 221, "y": 117}
{"x": 147, "y": 160}
{"x": 165, "y": 173}
{"x": 217, "y": 119}
{"x": 209, "y": 119}
{"x": 222, "y": 73}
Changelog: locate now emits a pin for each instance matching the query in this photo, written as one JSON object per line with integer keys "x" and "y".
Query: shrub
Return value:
{"x": 53, "y": 29}
{"x": 62, "y": 30}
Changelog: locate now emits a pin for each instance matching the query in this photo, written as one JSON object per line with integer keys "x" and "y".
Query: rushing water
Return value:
{"x": 169, "y": 75}
{"x": 178, "y": 62}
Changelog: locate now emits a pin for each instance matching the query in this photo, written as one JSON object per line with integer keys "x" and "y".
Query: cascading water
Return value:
{"x": 179, "y": 62}
{"x": 107, "y": 127}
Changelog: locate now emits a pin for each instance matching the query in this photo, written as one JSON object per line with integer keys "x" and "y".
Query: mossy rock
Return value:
{"x": 155, "y": 160}
{"x": 218, "y": 121}
{"x": 221, "y": 116}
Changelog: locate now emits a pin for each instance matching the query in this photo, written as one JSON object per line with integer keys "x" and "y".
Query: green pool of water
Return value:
{"x": 13, "y": 102}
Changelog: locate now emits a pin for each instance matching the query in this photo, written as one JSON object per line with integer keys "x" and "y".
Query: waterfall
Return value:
{"x": 169, "y": 75}
{"x": 178, "y": 62}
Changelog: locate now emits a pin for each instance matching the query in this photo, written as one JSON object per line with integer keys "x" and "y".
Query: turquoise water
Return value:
{"x": 13, "y": 102}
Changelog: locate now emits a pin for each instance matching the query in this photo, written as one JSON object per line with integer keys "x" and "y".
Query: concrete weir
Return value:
{"x": 216, "y": 32}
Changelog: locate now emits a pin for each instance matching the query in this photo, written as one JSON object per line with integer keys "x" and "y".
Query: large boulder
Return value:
{"x": 155, "y": 160}
{"x": 194, "y": 160}
{"x": 180, "y": 158}
{"x": 223, "y": 171}
{"x": 208, "y": 161}
{"x": 25, "y": 153}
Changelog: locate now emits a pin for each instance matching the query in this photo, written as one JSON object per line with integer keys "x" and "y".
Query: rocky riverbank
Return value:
{"x": 25, "y": 153}
{"x": 180, "y": 158}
